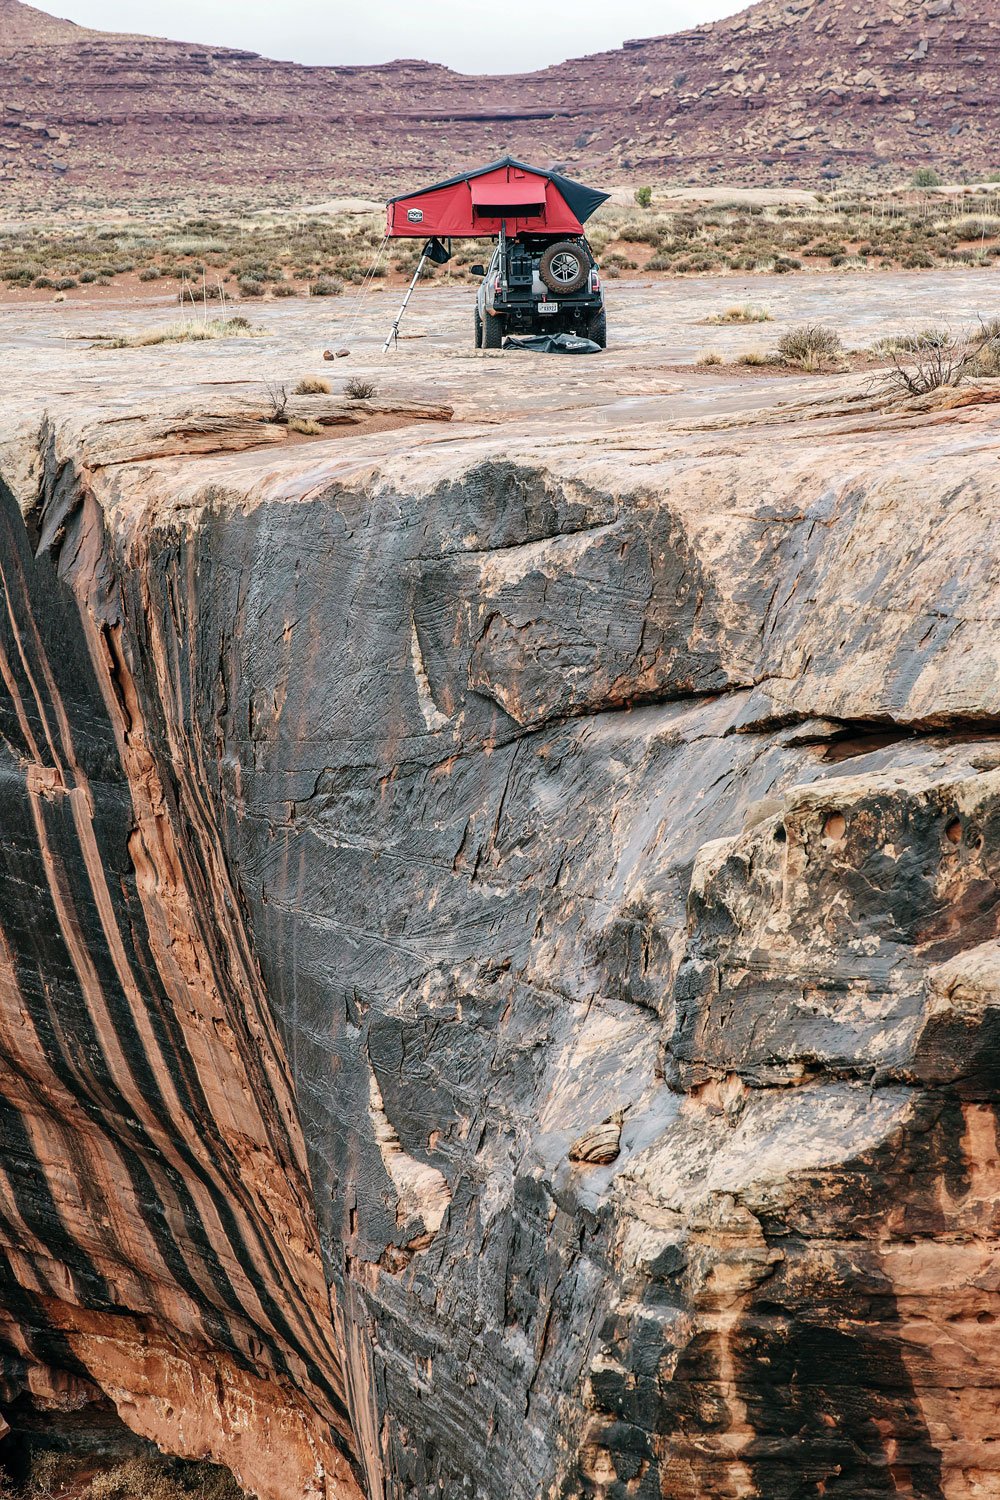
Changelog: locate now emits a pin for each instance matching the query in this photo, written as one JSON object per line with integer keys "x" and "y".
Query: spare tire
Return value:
{"x": 564, "y": 267}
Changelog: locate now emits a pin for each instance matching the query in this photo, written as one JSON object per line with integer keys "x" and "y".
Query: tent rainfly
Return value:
{"x": 505, "y": 196}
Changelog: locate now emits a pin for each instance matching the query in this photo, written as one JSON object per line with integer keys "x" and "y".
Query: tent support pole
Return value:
{"x": 394, "y": 330}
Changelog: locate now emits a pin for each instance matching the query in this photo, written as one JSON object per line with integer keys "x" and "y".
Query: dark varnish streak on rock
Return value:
{"x": 157, "y": 1221}
{"x": 492, "y": 811}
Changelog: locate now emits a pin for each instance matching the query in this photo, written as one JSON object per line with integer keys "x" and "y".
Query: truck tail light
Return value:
{"x": 595, "y": 281}
{"x": 497, "y": 286}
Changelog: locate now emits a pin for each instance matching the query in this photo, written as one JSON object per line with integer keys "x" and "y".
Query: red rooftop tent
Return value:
{"x": 506, "y": 195}
{"x": 505, "y": 198}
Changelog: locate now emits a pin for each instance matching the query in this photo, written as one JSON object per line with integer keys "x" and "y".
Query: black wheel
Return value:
{"x": 492, "y": 332}
{"x": 478, "y": 330}
{"x": 597, "y": 328}
{"x": 564, "y": 267}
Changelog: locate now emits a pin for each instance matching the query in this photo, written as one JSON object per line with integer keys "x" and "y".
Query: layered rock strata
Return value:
{"x": 380, "y": 826}
{"x": 785, "y": 91}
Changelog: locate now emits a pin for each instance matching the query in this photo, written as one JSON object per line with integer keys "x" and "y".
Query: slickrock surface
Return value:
{"x": 786, "y": 91}
{"x": 398, "y": 822}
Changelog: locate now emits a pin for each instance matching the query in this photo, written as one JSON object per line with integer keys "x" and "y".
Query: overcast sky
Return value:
{"x": 471, "y": 35}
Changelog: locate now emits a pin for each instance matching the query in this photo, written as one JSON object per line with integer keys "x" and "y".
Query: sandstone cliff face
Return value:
{"x": 782, "y": 92}
{"x": 378, "y": 827}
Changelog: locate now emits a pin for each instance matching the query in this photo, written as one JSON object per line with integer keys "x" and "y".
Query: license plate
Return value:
{"x": 548, "y": 307}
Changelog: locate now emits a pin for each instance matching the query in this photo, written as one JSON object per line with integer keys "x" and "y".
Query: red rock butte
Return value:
{"x": 804, "y": 91}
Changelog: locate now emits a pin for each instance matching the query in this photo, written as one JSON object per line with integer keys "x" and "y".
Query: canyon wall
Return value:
{"x": 500, "y": 962}
{"x": 786, "y": 91}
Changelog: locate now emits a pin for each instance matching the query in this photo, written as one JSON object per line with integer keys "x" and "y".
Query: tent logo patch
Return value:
{"x": 414, "y": 216}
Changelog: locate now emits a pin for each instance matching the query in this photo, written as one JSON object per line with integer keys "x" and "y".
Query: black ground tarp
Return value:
{"x": 554, "y": 343}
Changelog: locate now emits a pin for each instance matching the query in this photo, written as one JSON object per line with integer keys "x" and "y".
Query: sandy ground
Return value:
{"x": 652, "y": 325}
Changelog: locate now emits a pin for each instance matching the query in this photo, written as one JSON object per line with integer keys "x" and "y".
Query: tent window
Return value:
{"x": 510, "y": 210}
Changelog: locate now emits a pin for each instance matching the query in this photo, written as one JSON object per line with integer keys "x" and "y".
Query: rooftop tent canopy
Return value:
{"x": 506, "y": 193}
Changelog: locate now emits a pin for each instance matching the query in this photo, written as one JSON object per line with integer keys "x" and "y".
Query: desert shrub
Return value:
{"x": 87, "y": 278}
{"x": 976, "y": 227}
{"x": 199, "y": 293}
{"x": 918, "y": 260}
{"x": 785, "y": 263}
{"x": 912, "y": 343}
{"x": 810, "y": 347}
{"x": 312, "y": 385}
{"x": 697, "y": 263}
{"x": 641, "y": 234}
{"x": 926, "y": 177}
{"x": 156, "y": 1478}
{"x": 644, "y": 196}
{"x": 988, "y": 361}
{"x": 254, "y": 270}
{"x": 754, "y": 357}
{"x": 947, "y": 363}
{"x": 986, "y": 354}
{"x": 195, "y": 246}
{"x": 326, "y": 286}
{"x": 932, "y": 369}
{"x": 709, "y": 357}
{"x": 358, "y": 389}
{"x": 251, "y": 288}
{"x": 829, "y": 248}
{"x": 43, "y": 283}
{"x": 151, "y": 273}
{"x": 285, "y": 289}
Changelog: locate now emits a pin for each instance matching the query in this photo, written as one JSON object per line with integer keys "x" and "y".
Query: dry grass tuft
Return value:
{"x": 305, "y": 425}
{"x": 313, "y": 385}
{"x": 189, "y": 332}
{"x": 747, "y": 313}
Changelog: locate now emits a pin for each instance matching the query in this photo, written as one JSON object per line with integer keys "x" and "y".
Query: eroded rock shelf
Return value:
{"x": 382, "y": 815}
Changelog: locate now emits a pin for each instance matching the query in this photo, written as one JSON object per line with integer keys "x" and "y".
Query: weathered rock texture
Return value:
{"x": 788, "y": 90}
{"x": 383, "y": 832}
